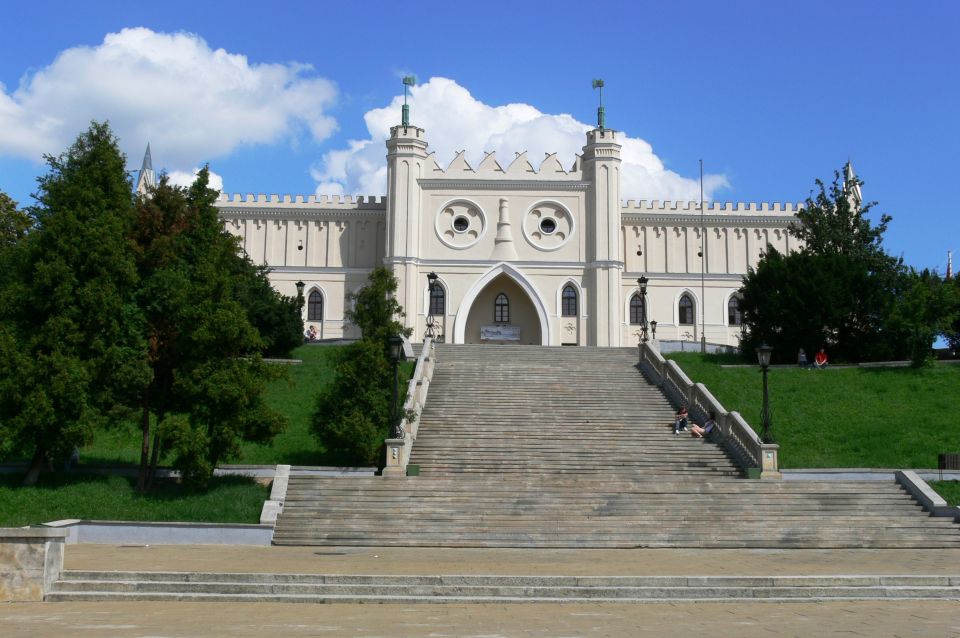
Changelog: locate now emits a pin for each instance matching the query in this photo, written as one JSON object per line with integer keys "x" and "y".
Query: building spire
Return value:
{"x": 408, "y": 81}
{"x": 949, "y": 264}
{"x": 601, "y": 115}
{"x": 852, "y": 185}
{"x": 147, "y": 180}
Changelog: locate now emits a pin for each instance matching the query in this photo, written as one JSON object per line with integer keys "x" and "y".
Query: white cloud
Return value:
{"x": 193, "y": 102}
{"x": 186, "y": 178}
{"x": 455, "y": 121}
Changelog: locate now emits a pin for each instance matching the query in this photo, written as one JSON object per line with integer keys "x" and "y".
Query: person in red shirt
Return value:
{"x": 820, "y": 361}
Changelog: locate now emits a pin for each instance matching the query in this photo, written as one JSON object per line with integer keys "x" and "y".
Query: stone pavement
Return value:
{"x": 532, "y": 562}
{"x": 832, "y": 618}
{"x": 717, "y": 620}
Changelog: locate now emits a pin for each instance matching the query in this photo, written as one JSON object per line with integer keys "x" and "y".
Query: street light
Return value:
{"x": 763, "y": 356}
{"x": 395, "y": 343}
{"x": 431, "y": 282}
{"x": 653, "y": 330}
{"x": 642, "y": 283}
{"x": 300, "y": 286}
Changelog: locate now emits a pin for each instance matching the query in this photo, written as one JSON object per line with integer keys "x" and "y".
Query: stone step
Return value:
{"x": 198, "y": 586}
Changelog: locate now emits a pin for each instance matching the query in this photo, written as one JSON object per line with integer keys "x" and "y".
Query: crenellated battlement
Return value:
{"x": 520, "y": 167}
{"x": 345, "y": 202}
{"x": 713, "y": 208}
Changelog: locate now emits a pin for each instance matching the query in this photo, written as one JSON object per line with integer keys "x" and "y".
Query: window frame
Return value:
{"x": 501, "y": 308}
{"x": 311, "y": 304}
{"x": 637, "y": 310}
{"x": 569, "y": 304}
{"x": 684, "y": 310}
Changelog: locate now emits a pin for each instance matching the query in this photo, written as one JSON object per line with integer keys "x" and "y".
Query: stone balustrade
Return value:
{"x": 399, "y": 450}
{"x": 738, "y": 436}
{"x": 31, "y": 559}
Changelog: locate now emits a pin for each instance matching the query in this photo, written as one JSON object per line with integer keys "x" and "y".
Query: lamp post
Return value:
{"x": 300, "y": 286}
{"x": 642, "y": 283}
{"x": 395, "y": 343}
{"x": 431, "y": 282}
{"x": 763, "y": 356}
{"x": 653, "y": 330}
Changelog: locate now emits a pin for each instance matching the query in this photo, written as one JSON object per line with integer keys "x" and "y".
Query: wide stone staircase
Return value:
{"x": 572, "y": 448}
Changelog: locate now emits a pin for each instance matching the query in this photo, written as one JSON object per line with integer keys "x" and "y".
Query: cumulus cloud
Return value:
{"x": 195, "y": 102}
{"x": 444, "y": 108}
{"x": 186, "y": 178}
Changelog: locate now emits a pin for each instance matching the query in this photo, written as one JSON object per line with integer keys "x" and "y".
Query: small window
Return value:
{"x": 568, "y": 306}
{"x": 685, "y": 309}
{"x": 548, "y": 226}
{"x": 438, "y": 300}
{"x": 461, "y": 224}
{"x": 734, "y": 314}
{"x": 637, "y": 311}
{"x": 315, "y": 306}
{"x": 501, "y": 309}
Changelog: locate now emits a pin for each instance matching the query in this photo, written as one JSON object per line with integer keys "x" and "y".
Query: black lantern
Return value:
{"x": 431, "y": 283}
{"x": 642, "y": 283}
{"x": 653, "y": 330}
{"x": 395, "y": 351}
{"x": 300, "y": 286}
{"x": 763, "y": 357}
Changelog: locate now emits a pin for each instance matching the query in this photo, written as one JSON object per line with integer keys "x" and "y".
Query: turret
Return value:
{"x": 147, "y": 179}
{"x": 601, "y": 169}
{"x": 406, "y": 158}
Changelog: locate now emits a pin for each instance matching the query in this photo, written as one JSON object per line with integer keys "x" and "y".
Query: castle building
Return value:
{"x": 522, "y": 253}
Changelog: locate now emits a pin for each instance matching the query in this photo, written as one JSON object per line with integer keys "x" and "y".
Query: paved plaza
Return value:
{"x": 831, "y": 618}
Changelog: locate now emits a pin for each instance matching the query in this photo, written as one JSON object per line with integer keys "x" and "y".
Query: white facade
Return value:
{"x": 517, "y": 232}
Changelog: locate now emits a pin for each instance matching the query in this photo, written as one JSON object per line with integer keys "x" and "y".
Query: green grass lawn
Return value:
{"x": 851, "y": 417}
{"x": 294, "y": 396}
{"x": 949, "y": 490}
{"x": 58, "y": 496}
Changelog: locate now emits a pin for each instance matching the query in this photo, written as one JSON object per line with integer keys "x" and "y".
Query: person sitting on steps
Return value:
{"x": 820, "y": 360}
{"x": 708, "y": 428}
{"x": 680, "y": 422}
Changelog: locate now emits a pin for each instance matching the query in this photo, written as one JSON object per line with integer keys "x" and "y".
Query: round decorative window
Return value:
{"x": 548, "y": 225}
{"x": 460, "y": 223}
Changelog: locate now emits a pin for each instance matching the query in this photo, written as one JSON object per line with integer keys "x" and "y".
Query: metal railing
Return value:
{"x": 738, "y": 437}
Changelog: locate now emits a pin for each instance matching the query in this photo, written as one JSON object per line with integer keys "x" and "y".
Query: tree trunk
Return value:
{"x": 154, "y": 458}
{"x": 36, "y": 464}
{"x": 142, "y": 478}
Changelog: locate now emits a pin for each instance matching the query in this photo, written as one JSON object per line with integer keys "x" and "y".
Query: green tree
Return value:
{"x": 952, "y": 332}
{"x": 206, "y": 394}
{"x": 71, "y": 343}
{"x": 927, "y": 308}
{"x": 837, "y": 291}
{"x": 14, "y": 223}
{"x": 353, "y": 412}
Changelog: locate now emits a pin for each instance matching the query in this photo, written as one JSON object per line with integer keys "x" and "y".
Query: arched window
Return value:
{"x": 636, "y": 310}
{"x": 438, "y": 300}
{"x": 568, "y": 305}
{"x": 501, "y": 309}
{"x": 315, "y": 306}
{"x": 685, "y": 309}
{"x": 734, "y": 314}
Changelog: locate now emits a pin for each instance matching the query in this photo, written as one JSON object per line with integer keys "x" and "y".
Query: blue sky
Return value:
{"x": 771, "y": 95}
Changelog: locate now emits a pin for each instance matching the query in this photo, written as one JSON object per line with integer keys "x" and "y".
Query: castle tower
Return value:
{"x": 147, "y": 179}
{"x": 601, "y": 168}
{"x": 406, "y": 157}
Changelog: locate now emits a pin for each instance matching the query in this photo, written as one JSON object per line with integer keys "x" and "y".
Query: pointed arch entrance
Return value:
{"x": 503, "y": 293}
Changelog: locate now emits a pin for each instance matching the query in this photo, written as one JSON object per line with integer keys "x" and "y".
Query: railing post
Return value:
{"x": 769, "y": 461}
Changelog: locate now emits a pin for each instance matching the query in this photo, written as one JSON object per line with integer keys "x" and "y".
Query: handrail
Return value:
{"x": 738, "y": 436}
{"x": 400, "y": 449}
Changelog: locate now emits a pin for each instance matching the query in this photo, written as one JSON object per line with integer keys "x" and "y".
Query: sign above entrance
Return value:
{"x": 500, "y": 333}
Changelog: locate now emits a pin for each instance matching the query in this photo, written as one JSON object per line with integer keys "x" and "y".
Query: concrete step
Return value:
{"x": 199, "y": 586}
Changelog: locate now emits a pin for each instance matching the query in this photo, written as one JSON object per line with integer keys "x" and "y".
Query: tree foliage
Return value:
{"x": 204, "y": 348}
{"x": 14, "y": 223}
{"x": 71, "y": 341}
{"x": 928, "y": 307}
{"x": 838, "y": 291}
{"x": 353, "y": 413}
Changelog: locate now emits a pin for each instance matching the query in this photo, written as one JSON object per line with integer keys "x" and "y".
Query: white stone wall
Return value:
{"x": 473, "y": 224}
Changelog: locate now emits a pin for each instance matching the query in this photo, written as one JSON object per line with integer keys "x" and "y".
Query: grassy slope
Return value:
{"x": 949, "y": 490}
{"x": 95, "y": 497}
{"x": 854, "y": 417}
{"x": 293, "y": 396}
